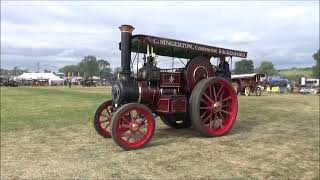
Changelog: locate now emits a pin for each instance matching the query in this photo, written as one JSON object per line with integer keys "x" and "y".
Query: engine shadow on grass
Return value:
{"x": 165, "y": 135}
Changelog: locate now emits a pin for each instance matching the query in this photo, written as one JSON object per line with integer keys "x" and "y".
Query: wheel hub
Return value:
{"x": 134, "y": 126}
{"x": 217, "y": 106}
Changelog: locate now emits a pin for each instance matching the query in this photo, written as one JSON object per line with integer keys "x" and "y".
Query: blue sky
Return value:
{"x": 60, "y": 33}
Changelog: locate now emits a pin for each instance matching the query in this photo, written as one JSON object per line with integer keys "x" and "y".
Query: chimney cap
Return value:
{"x": 126, "y": 28}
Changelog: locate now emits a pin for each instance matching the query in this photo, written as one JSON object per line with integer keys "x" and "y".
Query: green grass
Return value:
{"x": 47, "y": 133}
{"x": 296, "y": 73}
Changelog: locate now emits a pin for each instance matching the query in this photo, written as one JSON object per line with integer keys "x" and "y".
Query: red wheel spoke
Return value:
{"x": 104, "y": 115}
{"x": 205, "y": 95}
{"x": 221, "y": 96}
{"x": 205, "y": 107}
{"x": 129, "y": 137}
{"x": 123, "y": 130}
{"x": 203, "y": 101}
{"x": 140, "y": 132}
{"x": 209, "y": 117}
{"x": 104, "y": 121}
{"x": 221, "y": 87}
{"x": 210, "y": 92}
{"x": 140, "y": 115}
{"x": 203, "y": 114}
{"x": 212, "y": 122}
{"x": 108, "y": 112}
{"x": 221, "y": 125}
{"x": 142, "y": 122}
{"x": 107, "y": 126}
{"x": 225, "y": 112}
{"x": 221, "y": 116}
{"x": 225, "y": 105}
{"x": 214, "y": 93}
{"x": 126, "y": 119}
{"x": 227, "y": 98}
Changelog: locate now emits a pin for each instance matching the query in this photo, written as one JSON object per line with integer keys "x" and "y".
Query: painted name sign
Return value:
{"x": 196, "y": 47}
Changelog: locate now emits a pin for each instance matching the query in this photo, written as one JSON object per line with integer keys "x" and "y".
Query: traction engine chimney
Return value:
{"x": 126, "y": 35}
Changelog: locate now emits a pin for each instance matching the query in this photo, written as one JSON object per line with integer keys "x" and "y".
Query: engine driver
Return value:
{"x": 224, "y": 68}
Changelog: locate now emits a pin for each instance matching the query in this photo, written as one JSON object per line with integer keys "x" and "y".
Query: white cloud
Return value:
{"x": 235, "y": 37}
{"x": 288, "y": 13}
{"x": 243, "y": 37}
{"x": 64, "y": 31}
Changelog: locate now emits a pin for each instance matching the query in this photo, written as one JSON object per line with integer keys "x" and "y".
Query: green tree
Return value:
{"x": 316, "y": 68}
{"x": 244, "y": 66}
{"x": 89, "y": 65}
{"x": 105, "y": 71}
{"x": 266, "y": 67}
{"x": 69, "y": 69}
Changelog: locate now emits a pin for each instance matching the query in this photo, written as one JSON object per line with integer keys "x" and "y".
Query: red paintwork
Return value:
{"x": 171, "y": 83}
{"x": 172, "y": 104}
{"x": 218, "y": 91}
{"x": 179, "y": 105}
{"x": 129, "y": 137}
{"x": 170, "y": 79}
{"x": 197, "y": 69}
{"x": 147, "y": 93}
{"x": 163, "y": 105}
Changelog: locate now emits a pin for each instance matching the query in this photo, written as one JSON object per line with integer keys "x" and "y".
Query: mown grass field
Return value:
{"x": 47, "y": 133}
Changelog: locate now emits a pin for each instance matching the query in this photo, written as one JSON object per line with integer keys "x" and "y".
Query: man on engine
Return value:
{"x": 224, "y": 68}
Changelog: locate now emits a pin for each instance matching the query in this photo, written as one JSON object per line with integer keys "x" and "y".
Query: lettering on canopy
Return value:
{"x": 197, "y": 47}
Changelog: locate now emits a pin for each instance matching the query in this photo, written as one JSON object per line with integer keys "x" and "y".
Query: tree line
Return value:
{"x": 89, "y": 66}
{"x": 245, "y": 66}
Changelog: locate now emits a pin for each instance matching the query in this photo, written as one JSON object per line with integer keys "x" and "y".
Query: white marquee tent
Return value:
{"x": 49, "y": 76}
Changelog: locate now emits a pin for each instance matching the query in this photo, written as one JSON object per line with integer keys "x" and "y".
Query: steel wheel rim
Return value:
{"x": 258, "y": 91}
{"x": 247, "y": 91}
{"x": 104, "y": 119}
{"x": 236, "y": 87}
{"x": 134, "y": 127}
{"x": 218, "y": 107}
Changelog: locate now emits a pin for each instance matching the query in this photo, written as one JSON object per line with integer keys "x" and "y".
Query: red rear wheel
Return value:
{"x": 102, "y": 118}
{"x": 133, "y": 126}
{"x": 213, "y": 106}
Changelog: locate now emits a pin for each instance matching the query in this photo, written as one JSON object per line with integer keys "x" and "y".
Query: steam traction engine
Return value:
{"x": 181, "y": 97}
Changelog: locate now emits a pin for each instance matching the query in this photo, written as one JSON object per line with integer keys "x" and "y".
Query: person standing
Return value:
{"x": 224, "y": 68}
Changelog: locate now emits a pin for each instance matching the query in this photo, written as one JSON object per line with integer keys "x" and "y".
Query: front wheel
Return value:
{"x": 102, "y": 118}
{"x": 258, "y": 91}
{"x": 247, "y": 91}
{"x": 133, "y": 126}
{"x": 213, "y": 106}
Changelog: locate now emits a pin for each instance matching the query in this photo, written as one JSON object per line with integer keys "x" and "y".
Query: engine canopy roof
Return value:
{"x": 180, "y": 49}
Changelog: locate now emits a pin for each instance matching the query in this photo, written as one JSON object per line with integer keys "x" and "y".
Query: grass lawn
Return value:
{"x": 47, "y": 133}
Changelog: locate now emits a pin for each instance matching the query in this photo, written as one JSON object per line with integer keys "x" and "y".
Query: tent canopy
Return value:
{"x": 180, "y": 49}
{"x": 32, "y": 76}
